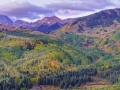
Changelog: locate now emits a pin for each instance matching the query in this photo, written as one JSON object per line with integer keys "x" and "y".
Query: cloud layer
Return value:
{"x": 61, "y": 8}
{"x": 80, "y": 5}
{"x": 23, "y": 10}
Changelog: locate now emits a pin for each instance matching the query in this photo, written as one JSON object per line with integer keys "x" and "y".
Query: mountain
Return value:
{"x": 20, "y": 23}
{"x": 108, "y": 20}
{"x": 5, "y": 20}
{"x": 105, "y": 18}
{"x": 52, "y": 20}
{"x": 45, "y": 25}
{"x": 30, "y": 59}
{"x": 48, "y": 23}
{"x": 45, "y": 28}
{"x": 49, "y": 20}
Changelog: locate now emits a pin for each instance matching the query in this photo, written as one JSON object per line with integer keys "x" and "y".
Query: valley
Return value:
{"x": 71, "y": 54}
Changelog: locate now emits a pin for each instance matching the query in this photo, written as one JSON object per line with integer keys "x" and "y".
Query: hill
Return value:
{"x": 97, "y": 24}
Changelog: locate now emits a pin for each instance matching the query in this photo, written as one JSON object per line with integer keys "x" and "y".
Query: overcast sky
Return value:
{"x": 32, "y": 10}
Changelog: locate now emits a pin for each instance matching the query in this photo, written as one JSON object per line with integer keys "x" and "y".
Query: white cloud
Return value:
{"x": 12, "y": 0}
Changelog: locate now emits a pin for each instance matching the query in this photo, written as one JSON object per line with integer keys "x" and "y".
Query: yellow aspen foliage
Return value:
{"x": 63, "y": 29}
{"x": 55, "y": 63}
{"x": 15, "y": 42}
{"x": 107, "y": 50}
{"x": 106, "y": 66}
{"x": 35, "y": 79}
{"x": 118, "y": 48}
{"x": 38, "y": 46}
{"x": 1, "y": 35}
{"x": 41, "y": 43}
{"x": 106, "y": 46}
{"x": 50, "y": 44}
{"x": 50, "y": 55}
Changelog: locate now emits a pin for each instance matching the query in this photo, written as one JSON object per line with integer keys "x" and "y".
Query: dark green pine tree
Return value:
{"x": 61, "y": 84}
{"x": 66, "y": 85}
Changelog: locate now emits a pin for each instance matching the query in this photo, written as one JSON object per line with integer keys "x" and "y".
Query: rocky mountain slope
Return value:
{"x": 45, "y": 25}
{"x": 5, "y": 20}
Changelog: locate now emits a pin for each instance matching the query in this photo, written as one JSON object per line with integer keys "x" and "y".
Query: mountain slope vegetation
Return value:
{"x": 25, "y": 61}
{"x": 70, "y": 60}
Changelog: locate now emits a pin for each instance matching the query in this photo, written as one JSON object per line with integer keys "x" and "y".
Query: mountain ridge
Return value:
{"x": 50, "y": 22}
{"x": 104, "y": 18}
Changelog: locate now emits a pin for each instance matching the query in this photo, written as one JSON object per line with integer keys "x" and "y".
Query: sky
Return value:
{"x": 33, "y": 10}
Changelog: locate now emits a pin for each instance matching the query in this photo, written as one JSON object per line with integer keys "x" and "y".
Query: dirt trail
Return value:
{"x": 97, "y": 83}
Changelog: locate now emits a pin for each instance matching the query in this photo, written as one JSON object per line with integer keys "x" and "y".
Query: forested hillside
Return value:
{"x": 68, "y": 61}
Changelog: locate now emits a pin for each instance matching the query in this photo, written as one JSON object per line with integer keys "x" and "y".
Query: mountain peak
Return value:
{"x": 20, "y": 23}
{"x": 49, "y": 20}
{"x": 53, "y": 18}
{"x": 5, "y": 20}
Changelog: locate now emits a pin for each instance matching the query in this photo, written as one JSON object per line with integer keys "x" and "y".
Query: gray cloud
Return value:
{"x": 81, "y": 5}
{"x": 24, "y": 10}
{"x": 69, "y": 6}
{"x": 31, "y": 11}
